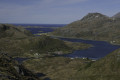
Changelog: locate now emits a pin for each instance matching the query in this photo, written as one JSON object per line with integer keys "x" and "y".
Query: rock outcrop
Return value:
{"x": 11, "y": 70}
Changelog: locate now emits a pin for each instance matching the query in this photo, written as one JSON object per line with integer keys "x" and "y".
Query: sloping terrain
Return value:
{"x": 57, "y": 68}
{"x": 107, "y": 68}
{"x": 11, "y": 70}
{"x": 18, "y": 42}
{"x": 60, "y": 68}
{"x": 94, "y": 26}
{"x": 7, "y": 30}
{"x": 32, "y": 46}
{"x": 117, "y": 15}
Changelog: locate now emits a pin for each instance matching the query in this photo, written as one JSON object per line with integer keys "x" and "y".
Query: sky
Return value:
{"x": 53, "y": 11}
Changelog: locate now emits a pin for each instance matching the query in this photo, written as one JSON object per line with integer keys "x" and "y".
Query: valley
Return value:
{"x": 87, "y": 49}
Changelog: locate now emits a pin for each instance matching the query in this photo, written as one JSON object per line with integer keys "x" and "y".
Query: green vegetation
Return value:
{"x": 11, "y": 70}
{"x": 32, "y": 46}
{"x": 107, "y": 68}
{"x": 23, "y": 44}
{"x": 57, "y": 68}
{"x": 77, "y": 45}
{"x": 7, "y": 30}
{"x": 94, "y": 26}
{"x": 60, "y": 68}
{"x": 17, "y": 42}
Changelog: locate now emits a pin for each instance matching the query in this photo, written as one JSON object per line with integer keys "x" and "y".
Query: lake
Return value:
{"x": 41, "y": 28}
{"x": 99, "y": 49}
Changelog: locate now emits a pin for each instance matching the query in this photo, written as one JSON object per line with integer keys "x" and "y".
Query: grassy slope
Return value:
{"x": 57, "y": 68}
{"x": 27, "y": 47}
{"x": 77, "y": 45}
{"x": 60, "y": 68}
{"x": 94, "y": 26}
{"x": 18, "y": 42}
{"x": 107, "y": 68}
{"x": 7, "y": 30}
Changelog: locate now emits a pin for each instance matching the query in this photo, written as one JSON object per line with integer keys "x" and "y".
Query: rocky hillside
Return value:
{"x": 94, "y": 26}
{"x": 7, "y": 30}
{"x": 11, "y": 70}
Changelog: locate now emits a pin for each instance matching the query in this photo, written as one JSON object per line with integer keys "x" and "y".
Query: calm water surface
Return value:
{"x": 99, "y": 49}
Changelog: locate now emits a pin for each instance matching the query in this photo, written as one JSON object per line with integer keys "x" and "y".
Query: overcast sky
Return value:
{"x": 53, "y": 11}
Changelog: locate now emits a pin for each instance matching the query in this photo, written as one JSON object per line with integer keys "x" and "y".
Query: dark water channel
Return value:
{"x": 99, "y": 49}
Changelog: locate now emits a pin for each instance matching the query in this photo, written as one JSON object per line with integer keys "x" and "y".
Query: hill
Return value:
{"x": 7, "y": 30}
{"x": 94, "y": 26}
{"x": 32, "y": 46}
{"x": 107, "y": 68}
{"x": 117, "y": 15}
{"x": 18, "y": 42}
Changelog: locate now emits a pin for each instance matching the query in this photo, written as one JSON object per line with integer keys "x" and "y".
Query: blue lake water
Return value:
{"x": 99, "y": 49}
{"x": 44, "y": 28}
{"x": 40, "y": 30}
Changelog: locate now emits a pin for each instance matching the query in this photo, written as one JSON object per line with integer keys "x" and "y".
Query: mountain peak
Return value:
{"x": 91, "y": 16}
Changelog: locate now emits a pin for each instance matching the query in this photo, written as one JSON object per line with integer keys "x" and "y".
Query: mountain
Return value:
{"x": 94, "y": 26}
{"x": 7, "y": 30}
{"x": 117, "y": 15}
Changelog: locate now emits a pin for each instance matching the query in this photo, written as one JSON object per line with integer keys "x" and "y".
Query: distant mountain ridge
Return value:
{"x": 94, "y": 26}
{"x": 117, "y": 15}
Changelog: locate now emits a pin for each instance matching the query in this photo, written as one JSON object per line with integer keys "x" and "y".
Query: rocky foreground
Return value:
{"x": 11, "y": 70}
